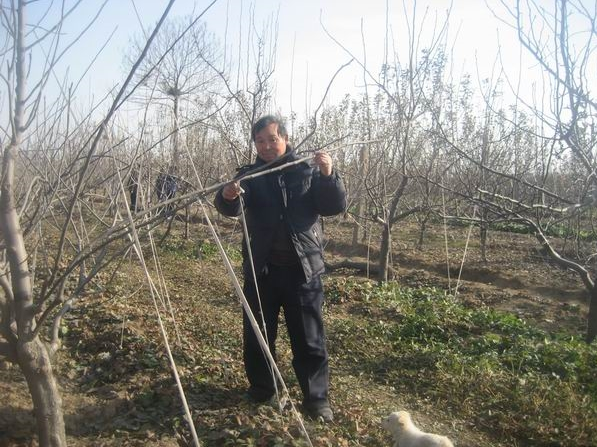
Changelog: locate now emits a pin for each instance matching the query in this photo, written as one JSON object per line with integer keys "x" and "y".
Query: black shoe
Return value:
{"x": 319, "y": 410}
{"x": 258, "y": 395}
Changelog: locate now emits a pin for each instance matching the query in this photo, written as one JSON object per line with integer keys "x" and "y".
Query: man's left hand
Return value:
{"x": 324, "y": 162}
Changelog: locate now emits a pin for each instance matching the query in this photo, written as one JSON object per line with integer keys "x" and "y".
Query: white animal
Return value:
{"x": 406, "y": 434}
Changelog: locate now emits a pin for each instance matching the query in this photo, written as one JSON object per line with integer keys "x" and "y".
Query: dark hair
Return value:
{"x": 265, "y": 121}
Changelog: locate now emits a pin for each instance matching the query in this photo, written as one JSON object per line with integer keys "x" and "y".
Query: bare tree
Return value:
{"x": 248, "y": 84}
{"x": 66, "y": 161}
{"x": 537, "y": 160}
{"x": 406, "y": 112}
{"x": 565, "y": 49}
{"x": 176, "y": 71}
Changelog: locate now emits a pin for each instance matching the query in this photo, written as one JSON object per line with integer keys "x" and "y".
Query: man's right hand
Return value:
{"x": 231, "y": 191}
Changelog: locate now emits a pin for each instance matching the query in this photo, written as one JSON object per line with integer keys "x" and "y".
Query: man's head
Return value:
{"x": 270, "y": 137}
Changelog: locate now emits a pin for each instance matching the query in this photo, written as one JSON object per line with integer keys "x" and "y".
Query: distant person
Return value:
{"x": 166, "y": 186}
{"x": 133, "y": 187}
{"x": 283, "y": 211}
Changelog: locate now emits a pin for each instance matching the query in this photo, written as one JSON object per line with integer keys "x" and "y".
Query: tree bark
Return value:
{"x": 386, "y": 235}
{"x": 356, "y": 226}
{"x": 175, "y": 160}
{"x": 384, "y": 252}
{"x": 34, "y": 361}
{"x": 363, "y": 168}
{"x": 483, "y": 240}
{"x": 422, "y": 231}
{"x": 592, "y": 317}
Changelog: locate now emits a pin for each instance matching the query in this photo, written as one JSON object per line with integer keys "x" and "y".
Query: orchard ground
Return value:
{"x": 118, "y": 389}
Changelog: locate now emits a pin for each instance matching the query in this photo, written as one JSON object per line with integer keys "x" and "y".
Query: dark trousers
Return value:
{"x": 284, "y": 288}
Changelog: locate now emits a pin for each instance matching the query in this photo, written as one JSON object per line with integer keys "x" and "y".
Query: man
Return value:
{"x": 133, "y": 186}
{"x": 282, "y": 212}
{"x": 166, "y": 186}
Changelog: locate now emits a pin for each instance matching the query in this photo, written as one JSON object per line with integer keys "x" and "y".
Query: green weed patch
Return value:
{"x": 196, "y": 250}
{"x": 490, "y": 368}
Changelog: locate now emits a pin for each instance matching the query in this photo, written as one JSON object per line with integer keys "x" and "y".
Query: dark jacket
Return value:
{"x": 298, "y": 195}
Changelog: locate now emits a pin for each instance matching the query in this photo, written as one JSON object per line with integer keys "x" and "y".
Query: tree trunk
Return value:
{"x": 483, "y": 231}
{"x": 483, "y": 241}
{"x": 422, "y": 231}
{"x": 32, "y": 355}
{"x": 384, "y": 253}
{"x": 363, "y": 168}
{"x": 187, "y": 220}
{"x": 356, "y": 226}
{"x": 175, "y": 160}
{"x": 386, "y": 235}
{"x": 592, "y": 317}
{"x": 34, "y": 361}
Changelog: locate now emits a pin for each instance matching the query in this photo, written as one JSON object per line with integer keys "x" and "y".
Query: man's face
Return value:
{"x": 269, "y": 144}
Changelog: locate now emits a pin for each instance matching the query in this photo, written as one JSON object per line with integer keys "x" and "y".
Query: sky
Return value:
{"x": 307, "y": 57}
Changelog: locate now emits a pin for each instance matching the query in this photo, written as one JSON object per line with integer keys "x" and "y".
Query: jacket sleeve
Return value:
{"x": 232, "y": 208}
{"x": 329, "y": 194}
{"x": 227, "y": 207}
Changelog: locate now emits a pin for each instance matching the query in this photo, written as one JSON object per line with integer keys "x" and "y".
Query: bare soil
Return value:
{"x": 115, "y": 377}
{"x": 515, "y": 277}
